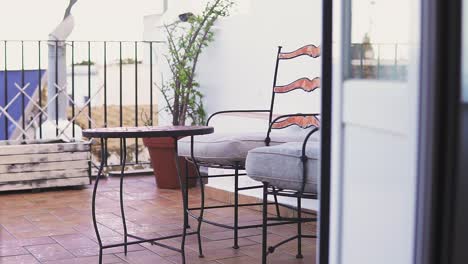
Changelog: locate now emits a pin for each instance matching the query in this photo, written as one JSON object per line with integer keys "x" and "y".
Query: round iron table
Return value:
{"x": 122, "y": 133}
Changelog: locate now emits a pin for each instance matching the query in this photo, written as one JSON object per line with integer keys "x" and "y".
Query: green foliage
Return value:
{"x": 186, "y": 41}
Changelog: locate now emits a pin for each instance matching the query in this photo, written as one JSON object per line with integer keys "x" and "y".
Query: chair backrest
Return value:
{"x": 305, "y": 84}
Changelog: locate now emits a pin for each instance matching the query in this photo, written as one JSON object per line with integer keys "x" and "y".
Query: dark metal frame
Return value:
{"x": 238, "y": 166}
{"x": 441, "y": 188}
{"x": 88, "y": 51}
{"x": 153, "y": 241}
{"x": 325, "y": 126}
{"x": 299, "y": 195}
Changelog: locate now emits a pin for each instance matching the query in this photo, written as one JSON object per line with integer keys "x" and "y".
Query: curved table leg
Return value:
{"x": 93, "y": 203}
{"x": 202, "y": 205}
{"x": 186, "y": 224}
{"x": 184, "y": 199}
{"x": 123, "y": 160}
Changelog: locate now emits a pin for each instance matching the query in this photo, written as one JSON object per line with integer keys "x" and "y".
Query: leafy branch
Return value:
{"x": 186, "y": 41}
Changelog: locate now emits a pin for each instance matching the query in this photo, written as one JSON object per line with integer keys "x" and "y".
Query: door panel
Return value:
{"x": 376, "y": 105}
{"x": 377, "y": 197}
{"x": 375, "y": 132}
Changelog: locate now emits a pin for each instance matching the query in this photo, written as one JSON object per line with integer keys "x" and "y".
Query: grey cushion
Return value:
{"x": 229, "y": 148}
{"x": 281, "y": 165}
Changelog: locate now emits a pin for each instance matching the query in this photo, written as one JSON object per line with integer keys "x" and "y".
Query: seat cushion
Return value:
{"x": 229, "y": 148}
{"x": 281, "y": 165}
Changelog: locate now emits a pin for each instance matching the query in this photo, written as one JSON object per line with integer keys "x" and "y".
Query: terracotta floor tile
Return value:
{"x": 288, "y": 259}
{"x": 222, "y": 253}
{"x": 74, "y": 241}
{"x": 55, "y": 227}
{"x": 253, "y": 251}
{"x": 49, "y": 252}
{"x": 107, "y": 259}
{"x": 47, "y": 217}
{"x": 35, "y": 241}
{"x": 88, "y": 231}
{"x": 239, "y": 260}
{"x": 143, "y": 257}
{"x": 191, "y": 257}
{"x": 12, "y": 251}
{"x": 94, "y": 251}
{"x": 229, "y": 234}
{"x": 23, "y": 259}
{"x": 164, "y": 252}
{"x": 221, "y": 244}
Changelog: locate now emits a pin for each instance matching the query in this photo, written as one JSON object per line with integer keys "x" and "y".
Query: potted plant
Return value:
{"x": 186, "y": 39}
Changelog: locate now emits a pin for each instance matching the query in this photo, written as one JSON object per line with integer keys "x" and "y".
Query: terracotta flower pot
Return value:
{"x": 161, "y": 151}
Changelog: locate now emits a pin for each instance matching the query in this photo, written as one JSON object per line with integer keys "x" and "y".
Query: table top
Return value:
{"x": 147, "y": 131}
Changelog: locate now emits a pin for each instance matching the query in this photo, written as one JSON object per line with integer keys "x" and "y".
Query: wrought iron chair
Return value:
{"x": 288, "y": 170}
{"x": 229, "y": 151}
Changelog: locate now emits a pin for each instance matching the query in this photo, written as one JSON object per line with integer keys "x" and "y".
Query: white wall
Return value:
{"x": 236, "y": 71}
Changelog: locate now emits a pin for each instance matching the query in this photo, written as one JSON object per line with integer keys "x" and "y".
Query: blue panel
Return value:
{"x": 15, "y": 77}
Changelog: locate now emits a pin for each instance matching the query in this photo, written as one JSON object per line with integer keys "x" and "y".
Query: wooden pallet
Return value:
{"x": 43, "y": 164}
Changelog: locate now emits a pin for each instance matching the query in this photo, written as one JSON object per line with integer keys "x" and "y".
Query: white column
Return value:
{"x": 57, "y": 79}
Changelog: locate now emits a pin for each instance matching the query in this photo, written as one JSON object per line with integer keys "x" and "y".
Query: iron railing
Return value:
{"x": 109, "y": 83}
{"x": 379, "y": 61}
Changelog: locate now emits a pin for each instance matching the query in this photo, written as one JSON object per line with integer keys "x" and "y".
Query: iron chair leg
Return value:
{"x": 186, "y": 224}
{"x": 278, "y": 213}
{"x": 122, "y": 211}
{"x": 236, "y": 207}
{"x": 299, "y": 228}
{"x": 264, "y": 222}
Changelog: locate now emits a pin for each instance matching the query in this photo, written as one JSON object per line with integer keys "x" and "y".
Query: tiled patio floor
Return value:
{"x": 55, "y": 227}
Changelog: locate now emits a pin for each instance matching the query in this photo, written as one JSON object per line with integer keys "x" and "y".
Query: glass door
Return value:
{"x": 375, "y": 117}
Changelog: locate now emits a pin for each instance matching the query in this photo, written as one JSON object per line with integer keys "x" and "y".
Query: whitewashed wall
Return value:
{"x": 236, "y": 71}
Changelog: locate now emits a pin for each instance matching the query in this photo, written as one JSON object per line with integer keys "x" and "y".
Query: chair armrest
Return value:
{"x": 235, "y": 111}
{"x": 275, "y": 121}
{"x": 304, "y": 158}
{"x": 306, "y": 140}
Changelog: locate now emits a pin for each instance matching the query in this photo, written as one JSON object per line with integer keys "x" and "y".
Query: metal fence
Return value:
{"x": 107, "y": 83}
{"x": 379, "y": 61}
{"x": 112, "y": 83}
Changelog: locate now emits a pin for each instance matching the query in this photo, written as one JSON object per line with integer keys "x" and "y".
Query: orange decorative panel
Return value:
{"x": 301, "y": 121}
{"x": 305, "y": 84}
{"x": 309, "y": 50}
